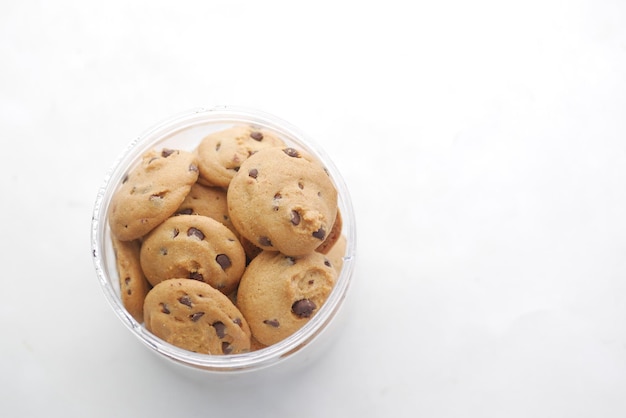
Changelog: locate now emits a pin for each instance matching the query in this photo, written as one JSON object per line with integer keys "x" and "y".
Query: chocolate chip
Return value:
{"x": 300, "y": 185}
{"x": 218, "y": 146}
{"x": 327, "y": 263}
{"x": 223, "y": 261}
{"x": 193, "y": 168}
{"x": 237, "y": 321}
{"x": 272, "y": 323}
{"x": 127, "y": 281}
{"x": 194, "y": 275}
{"x": 227, "y": 348}
{"x": 253, "y": 173}
{"x": 220, "y": 329}
{"x": 187, "y": 211}
{"x": 195, "y": 232}
{"x": 320, "y": 234}
{"x": 236, "y": 169}
{"x": 196, "y": 316}
{"x": 164, "y": 308}
{"x": 167, "y": 152}
{"x": 125, "y": 179}
{"x": 292, "y": 152}
{"x": 265, "y": 241}
{"x": 175, "y": 232}
{"x": 295, "y": 217}
{"x": 185, "y": 300}
{"x": 257, "y": 136}
{"x": 303, "y": 308}
{"x": 163, "y": 251}
{"x": 290, "y": 260}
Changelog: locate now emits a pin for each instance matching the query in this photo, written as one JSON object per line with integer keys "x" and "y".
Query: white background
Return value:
{"x": 484, "y": 144}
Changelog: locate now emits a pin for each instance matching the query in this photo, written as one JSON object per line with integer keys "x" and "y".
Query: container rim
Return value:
{"x": 222, "y": 364}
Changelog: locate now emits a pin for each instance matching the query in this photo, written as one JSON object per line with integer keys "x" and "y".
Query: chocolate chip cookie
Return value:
{"x": 282, "y": 199}
{"x": 194, "y": 247}
{"x": 279, "y": 294}
{"x": 194, "y": 316}
{"x": 221, "y": 153}
{"x": 151, "y": 192}
{"x": 133, "y": 283}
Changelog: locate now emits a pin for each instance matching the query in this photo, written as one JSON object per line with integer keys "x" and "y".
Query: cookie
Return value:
{"x": 279, "y": 294}
{"x": 133, "y": 284}
{"x": 194, "y": 316}
{"x": 221, "y": 153}
{"x": 207, "y": 201}
{"x": 151, "y": 192}
{"x": 194, "y": 247}
{"x": 282, "y": 200}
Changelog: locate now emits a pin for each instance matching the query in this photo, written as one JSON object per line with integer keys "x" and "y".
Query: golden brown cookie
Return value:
{"x": 221, "y": 153}
{"x": 195, "y": 247}
{"x": 133, "y": 283}
{"x": 279, "y": 294}
{"x": 194, "y": 316}
{"x": 282, "y": 200}
{"x": 151, "y": 192}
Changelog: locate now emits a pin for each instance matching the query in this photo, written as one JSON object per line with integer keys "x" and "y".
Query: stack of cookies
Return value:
{"x": 230, "y": 247}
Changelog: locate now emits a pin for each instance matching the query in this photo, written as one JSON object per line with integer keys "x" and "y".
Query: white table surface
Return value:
{"x": 485, "y": 148}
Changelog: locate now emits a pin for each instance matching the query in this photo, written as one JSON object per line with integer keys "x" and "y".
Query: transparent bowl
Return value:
{"x": 185, "y": 131}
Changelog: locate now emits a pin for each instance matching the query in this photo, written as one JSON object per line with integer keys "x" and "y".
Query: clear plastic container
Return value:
{"x": 185, "y": 131}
